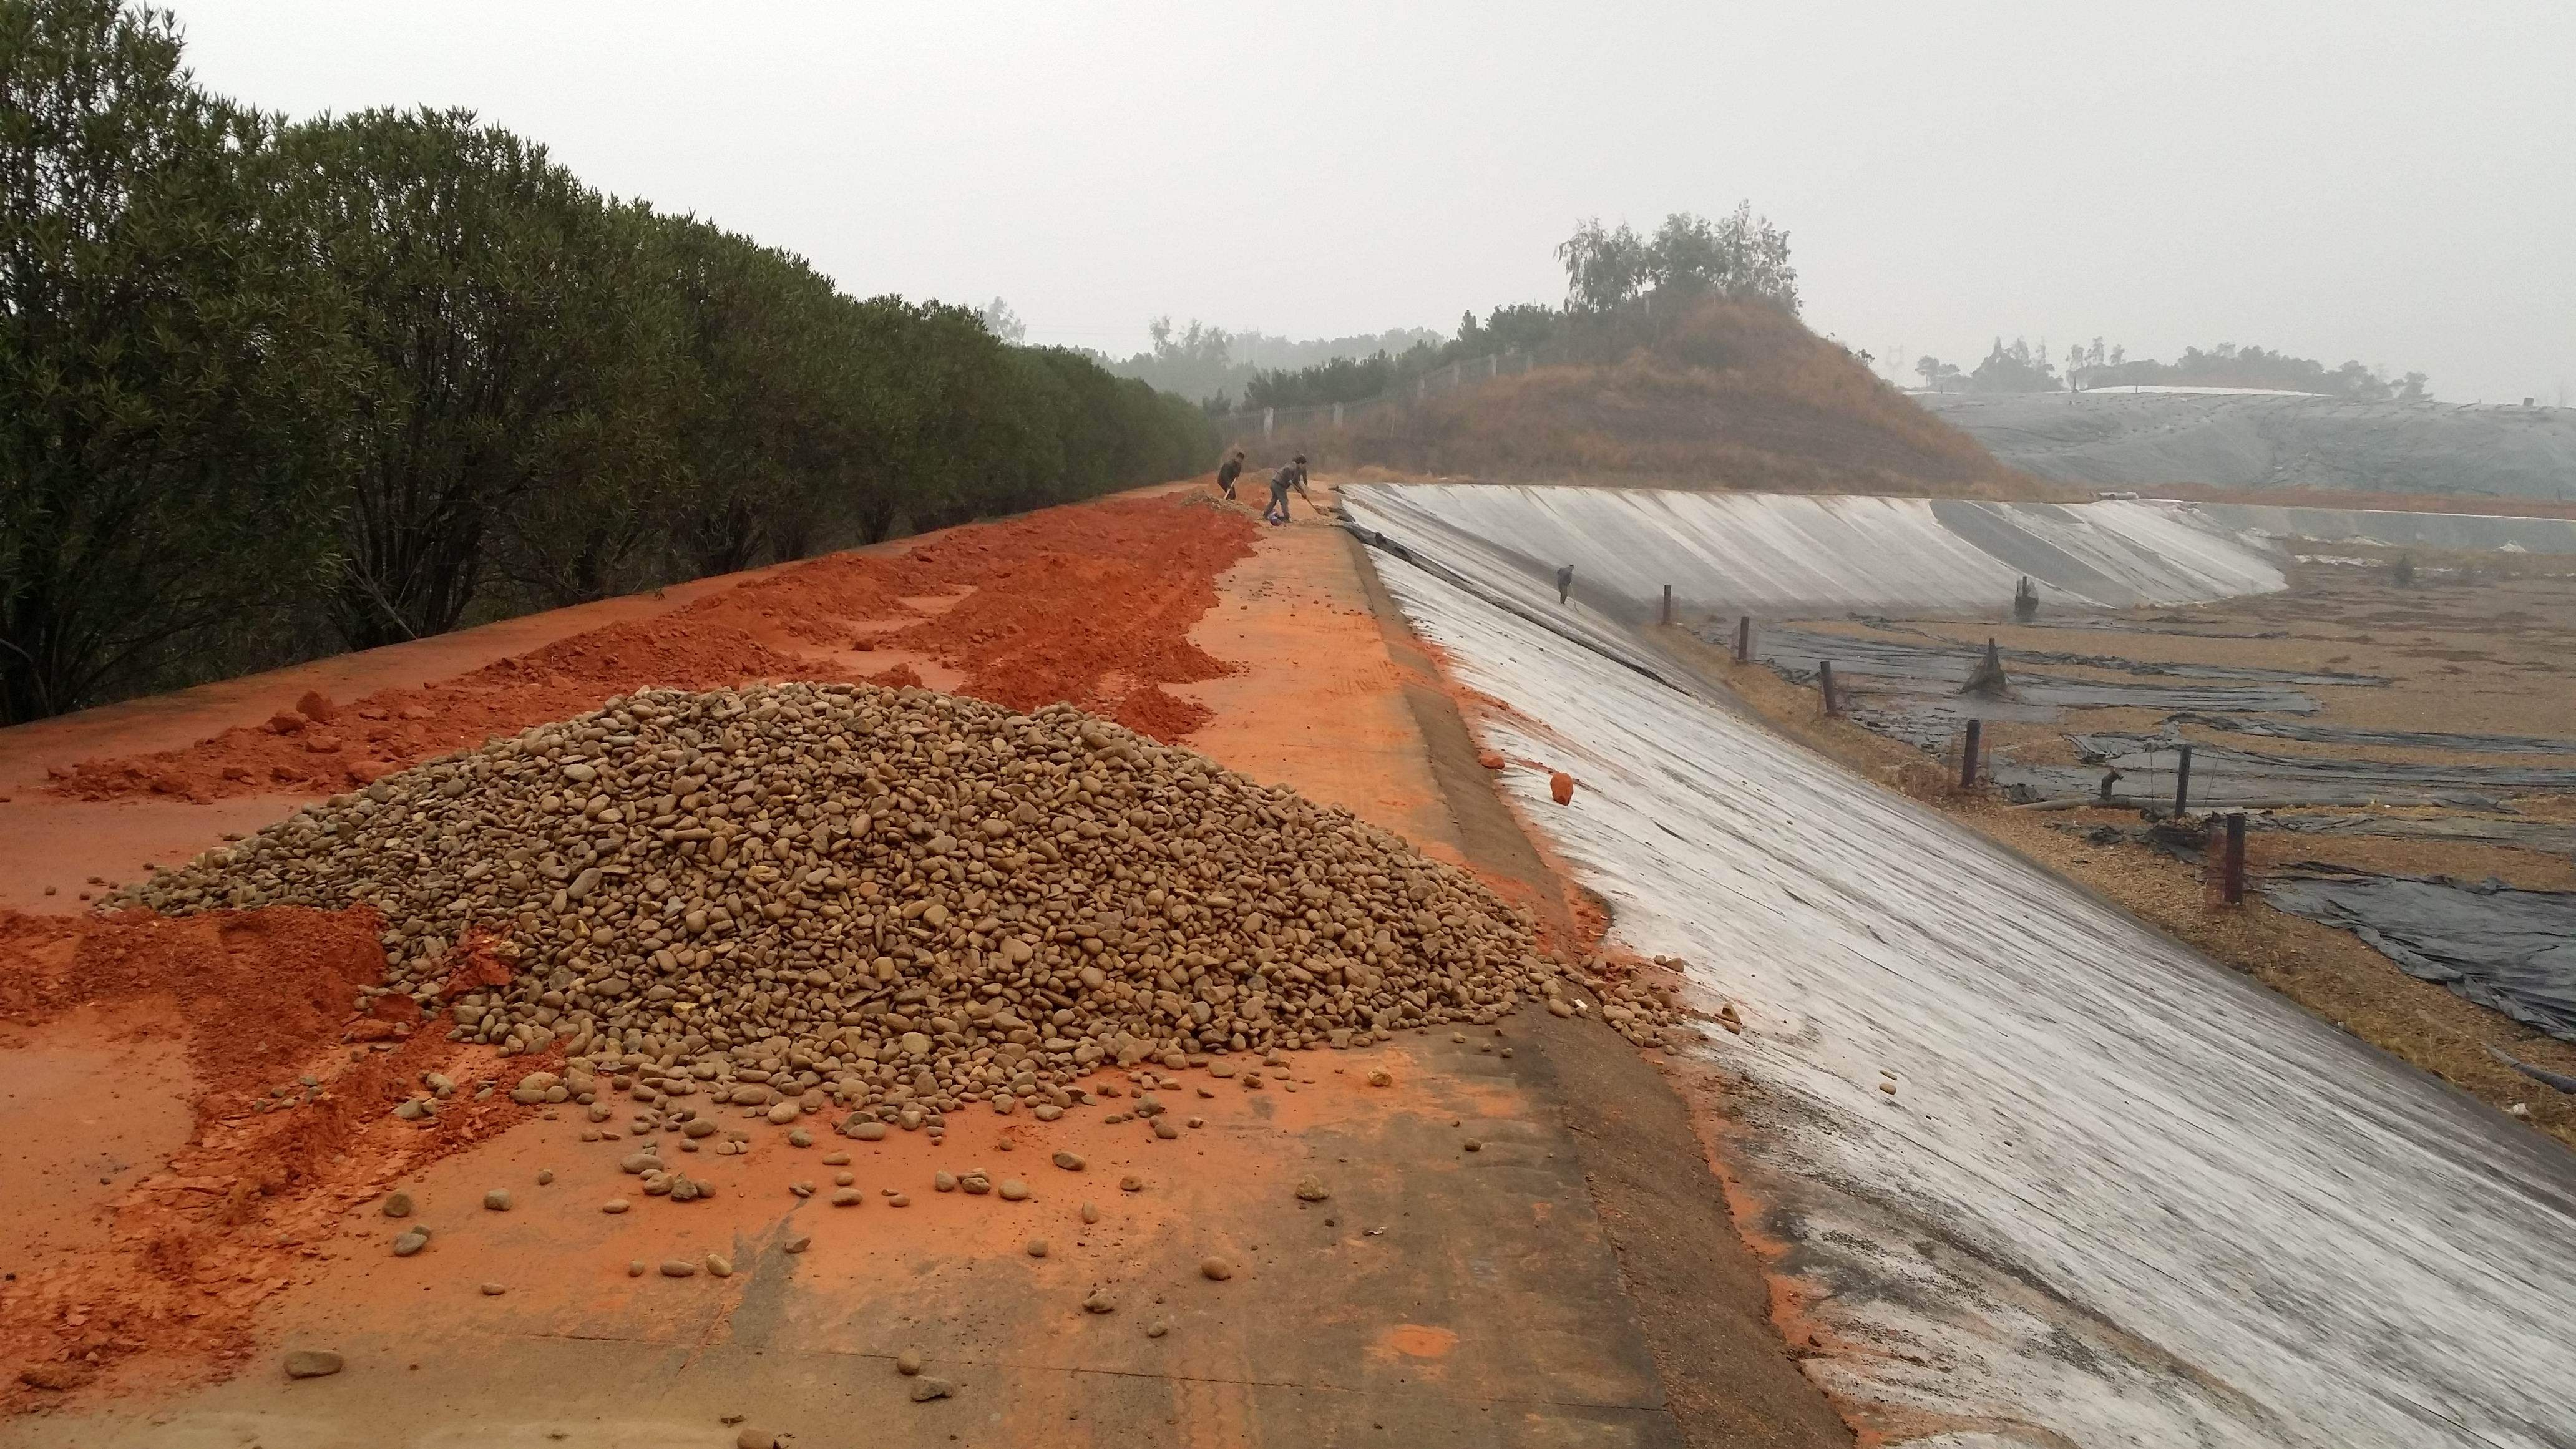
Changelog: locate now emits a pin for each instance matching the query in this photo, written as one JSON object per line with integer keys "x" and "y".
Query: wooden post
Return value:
{"x": 1744, "y": 638}
{"x": 1968, "y": 756}
{"x": 1825, "y": 681}
{"x": 2233, "y": 883}
{"x": 1668, "y": 605}
{"x": 2182, "y": 781}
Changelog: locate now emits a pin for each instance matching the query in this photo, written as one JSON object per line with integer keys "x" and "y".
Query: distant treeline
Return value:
{"x": 1607, "y": 271}
{"x": 1215, "y": 366}
{"x": 272, "y": 389}
{"x": 2023, "y": 368}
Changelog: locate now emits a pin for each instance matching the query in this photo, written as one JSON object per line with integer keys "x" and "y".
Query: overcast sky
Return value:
{"x": 2393, "y": 183}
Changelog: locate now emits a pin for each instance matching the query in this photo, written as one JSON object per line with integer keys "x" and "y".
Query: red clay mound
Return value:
{"x": 1090, "y": 604}
{"x": 292, "y": 1126}
{"x": 1100, "y": 630}
{"x": 396, "y": 728}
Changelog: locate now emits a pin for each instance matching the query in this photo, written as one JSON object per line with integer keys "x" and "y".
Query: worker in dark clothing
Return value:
{"x": 1227, "y": 472}
{"x": 1291, "y": 475}
{"x": 1564, "y": 582}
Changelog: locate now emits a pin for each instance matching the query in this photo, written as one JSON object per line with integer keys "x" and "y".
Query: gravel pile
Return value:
{"x": 804, "y": 893}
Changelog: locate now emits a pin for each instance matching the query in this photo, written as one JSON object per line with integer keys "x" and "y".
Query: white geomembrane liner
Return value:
{"x": 1787, "y": 554}
{"x": 2121, "y": 1195}
{"x": 2500, "y": 533}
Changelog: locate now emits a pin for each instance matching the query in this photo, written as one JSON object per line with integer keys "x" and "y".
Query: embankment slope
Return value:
{"x": 1729, "y": 396}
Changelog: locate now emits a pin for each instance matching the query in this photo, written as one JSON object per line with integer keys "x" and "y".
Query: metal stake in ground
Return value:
{"x": 1825, "y": 681}
{"x": 1744, "y": 638}
{"x": 1968, "y": 755}
{"x": 2232, "y": 883}
{"x": 2182, "y": 780}
{"x": 1668, "y": 606}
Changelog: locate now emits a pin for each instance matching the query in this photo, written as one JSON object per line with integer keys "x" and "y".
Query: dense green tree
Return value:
{"x": 168, "y": 364}
{"x": 1743, "y": 257}
{"x": 373, "y": 376}
{"x": 483, "y": 279}
{"x": 1603, "y": 268}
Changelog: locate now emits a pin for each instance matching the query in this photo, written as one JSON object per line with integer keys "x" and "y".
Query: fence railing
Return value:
{"x": 1629, "y": 325}
{"x": 1270, "y": 423}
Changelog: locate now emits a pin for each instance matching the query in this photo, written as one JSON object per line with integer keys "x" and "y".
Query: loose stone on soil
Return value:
{"x": 614, "y": 1206}
{"x": 1215, "y": 1269}
{"x": 1131, "y": 1183}
{"x": 1037, "y": 1247}
{"x": 926, "y": 1389}
{"x": 497, "y": 1200}
{"x": 679, "y": 1268}
{"x": 398, "y": 1205}
{"x": 854, "y": 900}
{"x": 1090, "y": 1213}
{"x": 411, "y": 1242}
{"x": 495, "y": 1290}
{"x": 1312, "y": 1189}
{"x": 312, "y": 1363}
{"x": 1068, "y": 1161}
{"x": 1014, "y": 1190}
{"x": 908, "y": 1362}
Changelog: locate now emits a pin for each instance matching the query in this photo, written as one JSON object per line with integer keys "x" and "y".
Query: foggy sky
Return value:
{"x": 2352, "y": 180}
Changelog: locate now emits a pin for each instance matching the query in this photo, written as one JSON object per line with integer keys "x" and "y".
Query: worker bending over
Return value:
{"x": 1290, "y": 475}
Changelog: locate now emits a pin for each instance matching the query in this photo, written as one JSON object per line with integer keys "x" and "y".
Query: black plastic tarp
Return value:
{"x": 2253, "y": 774}
{"x": 2327, "y": 734}
{"x": 2513, "y": 951}
{"x": 2546, "y": 836}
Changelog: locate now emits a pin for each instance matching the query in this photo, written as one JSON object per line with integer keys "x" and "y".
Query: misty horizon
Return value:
{"x": 2333, "y": 183}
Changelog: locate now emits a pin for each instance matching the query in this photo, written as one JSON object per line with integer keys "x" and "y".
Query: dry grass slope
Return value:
{"x": 1728, "y": 396}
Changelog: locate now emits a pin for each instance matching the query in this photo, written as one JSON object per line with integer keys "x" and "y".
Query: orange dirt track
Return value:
{"x": 1090, "y": 605}
{"x": 1520, "y": 1248}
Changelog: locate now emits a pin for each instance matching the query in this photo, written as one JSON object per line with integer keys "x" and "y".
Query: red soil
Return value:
{"x": 260, "y": 999}
{"x": 1104, "y": 630}
{"x": 1090, "y": 605}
